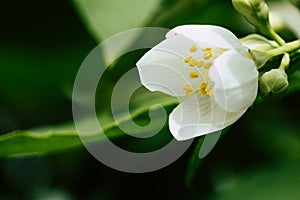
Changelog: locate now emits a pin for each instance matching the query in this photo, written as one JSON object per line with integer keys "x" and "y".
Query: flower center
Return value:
{"x": 201, "y": 61}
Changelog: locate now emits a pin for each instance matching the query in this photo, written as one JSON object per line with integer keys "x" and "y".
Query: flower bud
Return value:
{"x": 259, "y": 46}
{"x": 255, "y": 11}
{"x": 273, "y": 83}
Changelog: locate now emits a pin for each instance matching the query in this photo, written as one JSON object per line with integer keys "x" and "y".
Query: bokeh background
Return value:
{"x": 42, "y": 45}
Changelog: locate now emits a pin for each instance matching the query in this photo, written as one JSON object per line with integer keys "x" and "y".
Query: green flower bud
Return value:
{"x": 273, "y": 83}
{"x": 255, "y": 11}
{"x": 259, "y": 47}
{"x": 258, "y": 42}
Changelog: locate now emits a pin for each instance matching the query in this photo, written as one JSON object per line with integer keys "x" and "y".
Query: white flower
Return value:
{"x": 210, "y": 68}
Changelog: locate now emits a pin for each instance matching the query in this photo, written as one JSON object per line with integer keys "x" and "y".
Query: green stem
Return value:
{"x": 285, "y": 62}
{"x": 286, "y": 48}
{"x": 194, "y": 163}
{"x": 276, "y": 37}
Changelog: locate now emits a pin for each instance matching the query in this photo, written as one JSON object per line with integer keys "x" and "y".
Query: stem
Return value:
{"x": 276, "y": 37}
{"x": 285, "y": 62}
{"x": 286, "y": 48}
{"x": 194, "y": 164}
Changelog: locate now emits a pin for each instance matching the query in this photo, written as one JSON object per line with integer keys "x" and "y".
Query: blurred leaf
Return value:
{"x": 35, "y": 80}
{"x": 294, "y": 82}
{"x": 22, "y": 143}
{"x": 106, "y": 18}
{"x": 201, "y": 12}
{"x": 296, "y": 3}
{"x": 267, "y": 183}
{"x": 60, "y": 138}
{"x": 278, "y": 136}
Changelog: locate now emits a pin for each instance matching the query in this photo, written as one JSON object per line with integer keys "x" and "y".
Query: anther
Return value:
{"x": 207, "y": 65}
{"x": 187, "y": 59}
{"x": 200, "y": 64}
{"x": 203, "y": 90}
{"x": 207, "y": 49}
{"x": 186, "y": 86}
{"x": 193, "y": 48}
{"x": 203, "y": 85}
{"x": 193, "y": 62}
{"x": 207, "y": 55}
{"x": 194, "y": 75}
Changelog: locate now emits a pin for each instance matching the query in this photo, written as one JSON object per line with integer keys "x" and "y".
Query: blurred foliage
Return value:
{"x": 43, "y": 46}
{"x": 296, "y": 3}
{"x": 106, "y": 18}
{"x": 268, "y": 183}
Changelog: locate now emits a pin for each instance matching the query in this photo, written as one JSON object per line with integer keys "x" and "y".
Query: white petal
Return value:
{"x": 199, "y": 115}
{"x": 208, "y": 34}
{"x": 235, "y": 81}
{"x": 163, "y": 67}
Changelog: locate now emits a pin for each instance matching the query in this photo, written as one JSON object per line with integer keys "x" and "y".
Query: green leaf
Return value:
{"x": 273, "y": 182}
{"x": 22, "y": 143}
{"x": 60, "y": 138}
{"x": 106, "y": 18}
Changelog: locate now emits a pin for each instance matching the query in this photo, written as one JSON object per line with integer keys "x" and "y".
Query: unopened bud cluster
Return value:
{"x": 255, "y": 11}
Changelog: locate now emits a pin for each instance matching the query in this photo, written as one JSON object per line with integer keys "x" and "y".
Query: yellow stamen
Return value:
{"x": 207, "y": 55}
{"x": 188, "y": 90}
{"x": 207, "y": 65}
{"x": 202, "y": 90}
{"x": 205, "y": 89}
{"x": 210, "y": 92}
{"x": 193, "y": 62}
{"x": 203, "y": 85}
{"x": 186, "y": 86}
{"x": 200, "y": 64}
{"x": 187, "y": 59}
{"x": 194, "y": 75}
{"x": 207, "y": 49}
{"x": 193, "y": 48}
